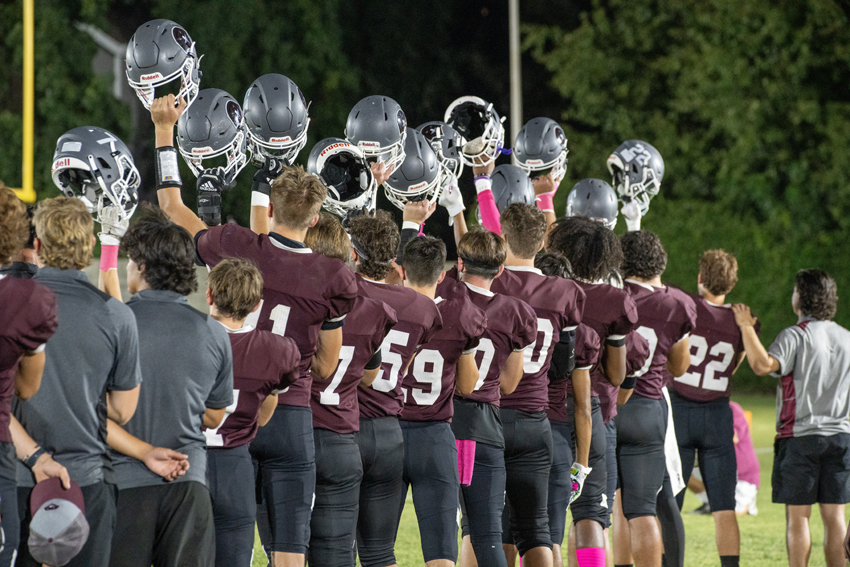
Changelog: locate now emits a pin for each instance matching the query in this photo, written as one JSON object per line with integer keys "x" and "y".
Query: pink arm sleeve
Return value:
{"x": 487, "y": 206}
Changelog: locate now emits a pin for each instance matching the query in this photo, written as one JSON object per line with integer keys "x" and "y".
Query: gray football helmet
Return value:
{"x": 419, "y": 177}
{"x": 479, "y": 125}
{"x": 377, "y": 125}
{"x": 214, "y": 126}
{"x": 446, "y": 142}
{"x": 159, "y": 52}
{"x": 540, "y": 147}
{"x": 637, "y": 170}
{"x": 343, "y": 169}
{"x": 93, "y": 165}
{"x": 595, "y": 199}
{"x": 510, "y": 184}
{"x": 277, "y": 118}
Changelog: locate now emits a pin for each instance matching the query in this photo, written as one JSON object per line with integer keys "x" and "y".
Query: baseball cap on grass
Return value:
{"x": 58, "y": 529}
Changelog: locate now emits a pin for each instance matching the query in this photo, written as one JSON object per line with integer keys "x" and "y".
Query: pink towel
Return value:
{"x": 465, "y": 460}
{"x": 591, "y": 557}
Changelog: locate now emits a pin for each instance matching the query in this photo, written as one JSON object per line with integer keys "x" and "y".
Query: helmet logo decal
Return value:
{"x": 365, "y": 144}
{"x": 151, "y": 77}
{"x": 199, "y": 151}
{"x": 418, "y": 186}
{"x": 182, "y": 38}
{"x": 402, "y": 120}
{"x": 637, "y": 153}
{"x": 534, "y": 162}
{"x": 280, "y": 140}
{"x": 235, "y": 113}
{"x": 64, "y": 162}
{"x": 71, "y": 146}
{"x": 335, "y": 146}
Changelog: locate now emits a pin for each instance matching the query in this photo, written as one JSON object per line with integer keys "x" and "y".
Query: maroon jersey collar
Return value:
{"x": 288, "y": 244}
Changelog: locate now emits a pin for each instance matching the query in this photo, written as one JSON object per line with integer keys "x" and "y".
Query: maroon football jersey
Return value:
{"x": 418, "y": 320}
{"x": 334, "y": 401}
{"x": 302, "y": 291}
{"x": 588, "y": 350}
{"x": 429, "y": 384}
{"x": 637, "y": 353}
{"x": 263, "y": 363}
{"x": 511, "y": 326}
{"x": 716, "y": 344}
{"x": 27, "y": 321}
{"x": 664, "y": 318}
{"x": 558, "y": 304}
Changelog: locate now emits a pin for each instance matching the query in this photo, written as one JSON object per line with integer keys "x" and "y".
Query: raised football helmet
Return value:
{"x": 446, "y": 142}
{"x": 595, "y": 199}
{"x": 480, "y": 127}
{"x": 159, "y": 52}
{"x": 419, "y": 177}
{"x": 214, "y": 126}
{"x": 540, "y": 147}
{"x": 510, "y": 184}
{"x": 93, "y": 165}
{"x": 277, "y": 118}
{"x": 377, "y": 125}
{"x": 637, "y": 170}
{"x": 343, "y": 169}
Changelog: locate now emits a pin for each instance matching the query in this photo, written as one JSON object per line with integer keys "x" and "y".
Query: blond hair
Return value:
{"x": 14, "y": 224}
{"x": 64, "y": 227}
{"x": 328, "y": 238}
{"x": 296, "y": 197}
{"x": 236, "y": 286}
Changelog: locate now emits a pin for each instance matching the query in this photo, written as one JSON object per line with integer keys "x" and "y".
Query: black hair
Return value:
{"x": 643, "y": 255}
{"x": 593, "y": 250}
{"x": 424, "y": 260}
{"x": 818, "y": 294}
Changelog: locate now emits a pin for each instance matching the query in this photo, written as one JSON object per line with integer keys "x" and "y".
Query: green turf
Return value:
{"x": 762, "y": 536}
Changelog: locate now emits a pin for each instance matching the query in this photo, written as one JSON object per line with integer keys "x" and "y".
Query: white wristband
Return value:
{"x": 259, "y": 199}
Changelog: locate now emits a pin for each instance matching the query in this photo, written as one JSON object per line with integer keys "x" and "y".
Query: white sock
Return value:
{"x": 702, "y": 496}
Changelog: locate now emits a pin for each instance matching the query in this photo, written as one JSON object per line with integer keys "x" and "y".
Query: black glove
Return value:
{"x": 211, "y": 183}
{"x": 265, "y": 175}
{"x": 353, "y": 214}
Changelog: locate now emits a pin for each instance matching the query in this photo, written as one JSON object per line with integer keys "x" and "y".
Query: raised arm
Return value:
{"x": 164, "y": 114}
{"x": 760, "y": 361}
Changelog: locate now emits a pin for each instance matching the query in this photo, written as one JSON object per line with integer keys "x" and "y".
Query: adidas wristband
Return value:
{"x": 167, "y": 172}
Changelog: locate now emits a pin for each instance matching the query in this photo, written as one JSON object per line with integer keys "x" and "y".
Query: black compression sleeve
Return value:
{"x": 563, "y": 357}
{"x": 374, "y": 362}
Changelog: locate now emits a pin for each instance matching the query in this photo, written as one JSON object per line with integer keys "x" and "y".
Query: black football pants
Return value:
{"x": 231, "y": 479}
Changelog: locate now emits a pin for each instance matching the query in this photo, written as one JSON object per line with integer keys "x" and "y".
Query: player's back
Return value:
{"x": 335, "y": 401}
{"x": 558, "y": 304}
{"x": 418, "y": 319}
{"x": 263, "y": 363}
{"x": 302, "y": 292}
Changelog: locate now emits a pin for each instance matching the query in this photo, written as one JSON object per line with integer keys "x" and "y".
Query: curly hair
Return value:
{"x": 553, "y": 264}
{"x": 236, "y": 286}
{"x": 818, "y": 294}
{"x": 592, "y": 249}
{"x": 64, "y": 227}
{"x": 643, "y": 255}
{"x": 163, "y": 251}
{"x": 718, "y": 271}
{"x": 328, "y": 238}
{"x": 482, "y": 252}
{"x": 524, "y": 227}
{"x": 375, "y": 238}
{"x": 14, "y": 224}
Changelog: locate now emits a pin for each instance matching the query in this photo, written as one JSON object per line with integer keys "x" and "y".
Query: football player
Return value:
{"x": 27, "y": 320}
{"x": 594, "y": 253}
{"x": 511, "y": 326}
{"x": 665, "y": 320}
{"x": 700, "y": 398}
{"x": 374, "y": 242}
{"x": 188, "y": 370}
{"x": 263, "y": 363}
{"x": 540, "y": 149}
{"x": 22, "y": 263}
{"x": 558, "y": 304}
{"x": 336, "y": 413}
{"x": 305, "y": 296}
{"x": 445, "y": 363}
{"x": 96, "y": 343}
{"x": 811, "y": 459}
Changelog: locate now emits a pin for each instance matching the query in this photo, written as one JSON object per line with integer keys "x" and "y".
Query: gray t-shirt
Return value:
{"x": 813, "y": 395}
{"x": 95, "y": 350}
{"x": 188, "y": 367}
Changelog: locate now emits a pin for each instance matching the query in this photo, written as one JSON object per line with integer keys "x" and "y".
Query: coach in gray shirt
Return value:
{"x": 91, "y": 372}
{"x": 812, "y": 450}
{"x": 188, "y": 369}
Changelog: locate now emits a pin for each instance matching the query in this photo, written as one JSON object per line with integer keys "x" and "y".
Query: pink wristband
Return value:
{"x": 108, "y": 257}
{"x": 544, "y": 202}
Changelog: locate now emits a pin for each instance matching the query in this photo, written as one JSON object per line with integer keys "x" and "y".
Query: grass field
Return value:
{"x": 762, "y": 536}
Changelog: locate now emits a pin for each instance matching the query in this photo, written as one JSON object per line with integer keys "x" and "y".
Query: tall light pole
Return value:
{"x": 516, "y": 72}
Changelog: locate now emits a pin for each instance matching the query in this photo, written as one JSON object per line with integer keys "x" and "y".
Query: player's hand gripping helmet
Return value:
{"x": 213, "y": 127}
{"x": 419, "y": 177}
{"x": 481, "y": 128}
{"x": 159, "y": 52}
{"x": 344, "y": 171}
{"x": 96, "y": 167}
{"x": 377, "y": 125}
{"x": 446, "y": 143}
{"x": 595, "y": 199}
{"x": 277, "y": 119}
{"x": 637, "y": 169}
{"x": 540, "y": 147}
